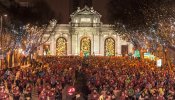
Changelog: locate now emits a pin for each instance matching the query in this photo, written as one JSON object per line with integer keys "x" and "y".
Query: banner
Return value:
{"x": 137, "y": 53}
{"x": 159, "y": 63}
{"x": 147, "y": 55}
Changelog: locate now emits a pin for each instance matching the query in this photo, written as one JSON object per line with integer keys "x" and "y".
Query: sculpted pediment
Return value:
{"x": 86, "y": 17}
{"x": 85, "y": 11}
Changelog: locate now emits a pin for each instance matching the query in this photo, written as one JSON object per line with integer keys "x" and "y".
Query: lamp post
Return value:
{"x": 5, "y": 15}
{"x": 1, "y": 19}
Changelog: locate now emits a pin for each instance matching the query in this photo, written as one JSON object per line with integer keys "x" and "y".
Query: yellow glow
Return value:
{"x": 20, "y": 50}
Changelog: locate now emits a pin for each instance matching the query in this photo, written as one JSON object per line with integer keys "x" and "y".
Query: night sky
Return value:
{"x": 120, "y": 10}
{"x": 125, "y": 11}
{"x": 62, "y": 7}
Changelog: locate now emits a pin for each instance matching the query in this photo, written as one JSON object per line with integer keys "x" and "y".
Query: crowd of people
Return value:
{"x": 89, "y": 78}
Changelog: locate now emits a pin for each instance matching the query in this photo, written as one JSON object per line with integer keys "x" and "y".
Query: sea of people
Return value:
{"x": 88, "y": 78}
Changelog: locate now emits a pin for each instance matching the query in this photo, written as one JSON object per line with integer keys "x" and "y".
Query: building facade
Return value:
{"x": 85, "y": 34}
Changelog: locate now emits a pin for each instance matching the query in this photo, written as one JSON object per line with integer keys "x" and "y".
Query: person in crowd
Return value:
{"x": 16, "y": 93}
{"x": 105, "y": 78}
{"x": 3, "y": 93}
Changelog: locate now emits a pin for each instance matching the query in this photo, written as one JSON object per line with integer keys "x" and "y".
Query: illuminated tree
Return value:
{"x": 148, "y": 24}
{"x": 34, "y": 36}
{"x": 7, "y": 40}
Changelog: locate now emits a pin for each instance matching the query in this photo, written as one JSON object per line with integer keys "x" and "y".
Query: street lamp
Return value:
{"x": 5, "y": 15}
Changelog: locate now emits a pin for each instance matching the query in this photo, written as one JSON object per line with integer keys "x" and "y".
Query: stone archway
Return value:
{"x": 109, "y": 47}
{"x": 85, "y": 46}
{"x": 61, "y": 46}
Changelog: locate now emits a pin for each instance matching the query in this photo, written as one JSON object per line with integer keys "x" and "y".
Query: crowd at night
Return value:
{"x": 92, "y": 78}
{"x": 87, "y": 49}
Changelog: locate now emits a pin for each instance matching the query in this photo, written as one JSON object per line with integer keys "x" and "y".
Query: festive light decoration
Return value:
{"x": 85, "y": 45}
{"x": 109, "y": 47}
{"x": 34, "y": 36}
{"x": 144, "y": 22}
{"x": 71, "y": 90}
{"x": 7, "y": 40}
{"x": 61, "y": 46}
{"x": 156, "y": 33}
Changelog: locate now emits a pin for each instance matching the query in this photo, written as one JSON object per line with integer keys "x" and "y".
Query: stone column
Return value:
{"x": 130, "y": 48}
{"x": 96, "y": 44}
{"x": 99, "y": 44}
{"x": 93, "y": 44}
{"x": 77, "y": 45}
{"x": 102, "y": 41}
{"x": 74, "y": 44}
{"x": 118, "y": 45}
{"x": 71, "y": 44}
{"x": 52, "y": 45}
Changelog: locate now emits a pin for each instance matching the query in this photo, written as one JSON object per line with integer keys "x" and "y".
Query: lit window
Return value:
{"x": 85, "y": 20}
